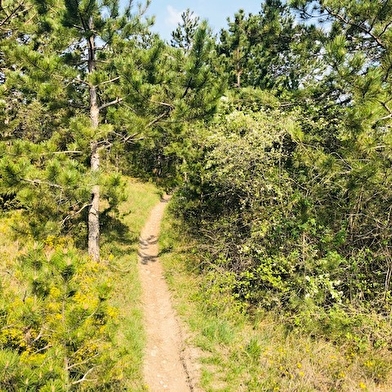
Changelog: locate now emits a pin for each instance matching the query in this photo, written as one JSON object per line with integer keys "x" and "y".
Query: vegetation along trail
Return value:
{"x": 167, "y": 364}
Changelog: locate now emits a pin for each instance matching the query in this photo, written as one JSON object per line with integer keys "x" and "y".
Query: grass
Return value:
{"x": 259, "y": 353}
{"x": 9, "y": 246}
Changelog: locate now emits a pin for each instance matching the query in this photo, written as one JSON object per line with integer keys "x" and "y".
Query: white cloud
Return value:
{"x": 173, "y": 17}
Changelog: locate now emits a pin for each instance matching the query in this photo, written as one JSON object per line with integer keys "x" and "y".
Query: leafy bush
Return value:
{"x": 293, "y": 221}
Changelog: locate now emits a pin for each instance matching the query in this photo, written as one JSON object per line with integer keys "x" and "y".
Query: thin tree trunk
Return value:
{"x": 93, "y": 214}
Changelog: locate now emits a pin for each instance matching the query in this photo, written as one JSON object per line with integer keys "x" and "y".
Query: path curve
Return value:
{"x": 167, "y": 366}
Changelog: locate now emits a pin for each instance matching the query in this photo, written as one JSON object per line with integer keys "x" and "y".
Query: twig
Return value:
{"x": 105, "y": 105}
{"x": 42, "y": 349}
{"x": 40, "y": 182}
{"x": 84, "y": 377}
{"x": 151, "y": 123}
{"x": 359, "y": 26}
{"x": 109, "y": 81}
{"x": 75, "y": 213}
{"x": 81, "y": 363}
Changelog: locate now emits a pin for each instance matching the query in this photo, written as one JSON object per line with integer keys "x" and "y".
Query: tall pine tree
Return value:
{"x": 69, "y": 64}
{"x": 97, "y": 79}
{"x": 269, "y": 50}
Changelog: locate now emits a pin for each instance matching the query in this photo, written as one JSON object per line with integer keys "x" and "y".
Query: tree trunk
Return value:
{"x": 93, "y": 214}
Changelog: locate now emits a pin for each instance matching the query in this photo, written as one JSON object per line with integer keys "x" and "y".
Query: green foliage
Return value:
{"x": 47, "y": 135}
{"x": 342, "y": 348}
{"x": 183, "y": 35}
{"x": 285, "y": 211}
{"x": 270, "y": 50}
{"x": 50, "y": 186}
{"x": 187, "y": 87}
{"x": 60, "y": 313}
{"x": 285, "y": 180}
{"x": 56, "y": 324}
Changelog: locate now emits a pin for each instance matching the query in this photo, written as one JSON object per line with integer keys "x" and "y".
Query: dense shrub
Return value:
{"x": 56, "y": 326}
{"x": 295, "y": 222}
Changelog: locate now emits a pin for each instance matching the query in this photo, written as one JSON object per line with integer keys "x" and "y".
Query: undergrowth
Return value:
{"x": 66, "y": 322}
{"x": 243, "y": 348}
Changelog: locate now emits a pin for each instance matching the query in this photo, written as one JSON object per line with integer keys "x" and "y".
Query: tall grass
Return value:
{"x": 257, "y": 353}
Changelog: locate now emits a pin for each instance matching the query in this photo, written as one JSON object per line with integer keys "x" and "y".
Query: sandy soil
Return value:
{"x": 169, "y": 364}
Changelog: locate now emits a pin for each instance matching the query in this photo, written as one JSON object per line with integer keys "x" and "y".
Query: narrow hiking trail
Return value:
{"x": 168, "y": 365}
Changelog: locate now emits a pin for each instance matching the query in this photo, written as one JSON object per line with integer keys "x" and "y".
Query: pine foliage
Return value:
{"x": 56, "y": 325}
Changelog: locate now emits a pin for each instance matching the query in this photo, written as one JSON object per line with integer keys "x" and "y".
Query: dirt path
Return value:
{"x": 167, "y": 365}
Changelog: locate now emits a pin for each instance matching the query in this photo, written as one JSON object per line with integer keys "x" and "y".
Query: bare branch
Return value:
{"x": 115, "y": 102}
{"x": 84, "y": 378}
{"x": 109, "y": 81}
{"x": 61, "y": 152}
{"x": 40, "y": 182}
{"x": 163, "y": 104}
{"x": 81, "y": 363}
{"x": 385, "y": 117}
{"x": 126, "y": 139}
{"x": 43, "y": 349}
{"x": 68, "y": 217}
{"x": 385, "y": 106}
{"x": 151, "y": 123}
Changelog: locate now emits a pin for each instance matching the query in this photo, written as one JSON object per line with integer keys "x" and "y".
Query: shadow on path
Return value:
{"x": 167, "y": 366}
{"x": 145, "y": 248}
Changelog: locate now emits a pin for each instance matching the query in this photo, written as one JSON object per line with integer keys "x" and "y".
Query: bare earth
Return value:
{"x": 168, "y": 363}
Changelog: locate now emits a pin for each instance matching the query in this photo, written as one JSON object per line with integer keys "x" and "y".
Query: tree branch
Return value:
{"x": 62, "y": 152}
{"x": 43, "y": 349}
{"x": 163, "y": 104}
{"x": 151, "y": 123}
{"x": 126, "y": 139}
{"x": 105, "y": 105}
{"x": 40, "y": 182}
{"x": 109, "y": 81}
{"x": 359, "y": 26}
{"x": 187, "y": 87}
{"x": 84, "y": 378}
{"x": 9, "y": 16}
{"x": 81, "y": 363}
{"x": 68, "y": 217}
{"x": 385, "y": 106}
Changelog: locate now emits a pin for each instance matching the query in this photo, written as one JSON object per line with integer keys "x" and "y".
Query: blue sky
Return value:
{"x": 167, "y": 12}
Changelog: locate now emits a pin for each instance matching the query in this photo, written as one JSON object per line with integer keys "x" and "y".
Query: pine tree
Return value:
{"x": 269, "y": 50}
{"x": 188, "y": 85}
{"x": 98, "y": 33}
{"x": 96, "y": 79}
{"x": 183, "y": 35}
{"x": 70, "y": 65}
{"x": 357, "y": 52}
{"x": 57, "y": 324}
